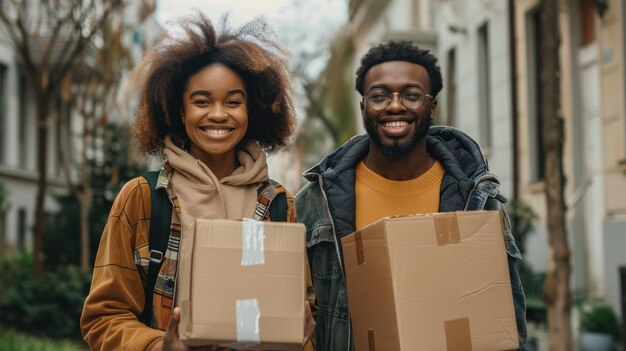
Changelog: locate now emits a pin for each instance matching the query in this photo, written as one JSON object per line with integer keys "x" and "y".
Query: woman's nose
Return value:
{"x": 218, "y": 114}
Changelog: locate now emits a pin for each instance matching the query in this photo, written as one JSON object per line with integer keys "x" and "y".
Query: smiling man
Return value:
{"x": 401, "y": 166}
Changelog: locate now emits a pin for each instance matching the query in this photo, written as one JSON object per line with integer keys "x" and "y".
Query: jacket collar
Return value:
{"x": 459, "y": 154}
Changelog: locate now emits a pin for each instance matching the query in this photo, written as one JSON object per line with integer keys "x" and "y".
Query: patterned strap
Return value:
{"x": 266, "y": 194}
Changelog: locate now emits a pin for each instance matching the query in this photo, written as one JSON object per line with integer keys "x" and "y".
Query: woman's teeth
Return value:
{"x": 216, "y": 131}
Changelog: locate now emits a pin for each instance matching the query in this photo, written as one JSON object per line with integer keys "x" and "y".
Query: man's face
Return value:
{"x": 397, "y": 129}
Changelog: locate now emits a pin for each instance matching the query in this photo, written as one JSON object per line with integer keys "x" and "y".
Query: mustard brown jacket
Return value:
{"x": 111, "y": 315}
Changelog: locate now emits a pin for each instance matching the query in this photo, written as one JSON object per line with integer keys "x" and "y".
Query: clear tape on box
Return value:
{"x": 253, "y": 237}
{"x": 248, "y": 315}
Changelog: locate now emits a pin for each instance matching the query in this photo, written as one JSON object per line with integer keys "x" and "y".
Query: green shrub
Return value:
{"x": 522, "y": 222}
{"x": 11, "y": 341}
{"x": 598, "y": 318}
{"x": 49, "y": 307}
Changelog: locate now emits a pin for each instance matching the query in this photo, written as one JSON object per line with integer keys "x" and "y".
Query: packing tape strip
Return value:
{"x": 458, "y": 335}
{"x": 447, "y": 229}
{"x": 248, "y": 315}
{"x": 360, "y": 254}
{"x": 370, "y": 340}
{"x": 252, "y": 242}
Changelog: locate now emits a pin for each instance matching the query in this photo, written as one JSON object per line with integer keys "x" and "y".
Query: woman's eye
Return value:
{"x": 201, "y": 102}
{"x": 233, "y": 103}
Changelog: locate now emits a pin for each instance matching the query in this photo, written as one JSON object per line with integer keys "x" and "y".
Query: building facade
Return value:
{"x": 475, "y": 58}
{"x": 18, "y": 128}
{"x": 593, "y": 78}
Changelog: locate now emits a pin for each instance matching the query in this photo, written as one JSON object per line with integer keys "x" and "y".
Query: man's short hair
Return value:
{"x": 401, "y": 50}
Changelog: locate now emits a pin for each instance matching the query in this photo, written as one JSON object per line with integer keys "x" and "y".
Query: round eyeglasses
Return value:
{"x": 412, "y": 98}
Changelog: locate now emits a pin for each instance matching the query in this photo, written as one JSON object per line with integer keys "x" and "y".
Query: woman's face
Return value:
{"x": 215, "y": 111}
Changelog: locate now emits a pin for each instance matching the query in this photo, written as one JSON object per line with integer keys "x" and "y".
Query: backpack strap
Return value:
{"x": 158, "y": 237}
{"x": 271, "y": 202}
{"x": 278, "y": 206}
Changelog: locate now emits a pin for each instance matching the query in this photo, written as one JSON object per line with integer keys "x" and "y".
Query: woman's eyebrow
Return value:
{"x": 236, "y": 91}
{"x": 206, "y": 93}
{"x": 199, "y": 92}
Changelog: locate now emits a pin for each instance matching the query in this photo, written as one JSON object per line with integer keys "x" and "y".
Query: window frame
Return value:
{"x": 485, "y": 113}
{"x": 535, "y": 114}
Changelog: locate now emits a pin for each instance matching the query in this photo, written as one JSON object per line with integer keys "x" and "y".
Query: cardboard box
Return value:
{"x": 430, "y": 282}
{"x": 242, "y": 284}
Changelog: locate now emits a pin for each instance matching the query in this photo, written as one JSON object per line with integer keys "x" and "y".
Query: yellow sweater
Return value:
{"x": 378, "y": 197}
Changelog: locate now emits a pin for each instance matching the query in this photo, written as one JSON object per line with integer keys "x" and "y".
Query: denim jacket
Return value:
{"x": 326, "y": 205}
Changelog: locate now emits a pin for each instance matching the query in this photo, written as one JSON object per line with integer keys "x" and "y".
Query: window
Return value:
{"x": 451, "y": 84}
{"x": 57, "y": 137}
{"x": 3, "y": 110}
{"x": 63, "y": 110}
{"x": 535, "y": 117}
{"x": 22, "y": 125}
{"x": 484, "y": 86}
{"x": 624, "y": 58}
{"x": 21, "y": 229}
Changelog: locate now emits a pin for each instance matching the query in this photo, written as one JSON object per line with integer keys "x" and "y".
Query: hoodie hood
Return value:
{"x": 459, "y": 154}
{"x": 202, "y": 195}
{"x": 252, "y": 166}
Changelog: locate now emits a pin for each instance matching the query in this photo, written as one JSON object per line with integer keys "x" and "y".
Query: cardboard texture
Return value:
{"x": 242, "y": 284}
{"x": 430, "y": 282}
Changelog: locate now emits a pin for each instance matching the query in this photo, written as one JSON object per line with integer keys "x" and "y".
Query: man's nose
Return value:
{"x": 395, "y": 103}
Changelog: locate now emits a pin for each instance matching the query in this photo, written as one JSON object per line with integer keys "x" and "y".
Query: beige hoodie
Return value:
{"x": 202, "y": 195}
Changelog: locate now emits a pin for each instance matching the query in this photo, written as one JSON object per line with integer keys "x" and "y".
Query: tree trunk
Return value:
{"x": 556, "y": 289}
{"x": 42, "y": 166}
{"x": 84, "y": 201}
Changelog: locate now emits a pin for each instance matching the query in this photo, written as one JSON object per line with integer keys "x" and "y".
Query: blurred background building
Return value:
{"x": 18, "y": 121}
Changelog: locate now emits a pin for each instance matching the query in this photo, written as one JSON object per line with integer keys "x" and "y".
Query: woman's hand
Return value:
{"x": 309, "y": 325}
{"x": 172, "y": 342}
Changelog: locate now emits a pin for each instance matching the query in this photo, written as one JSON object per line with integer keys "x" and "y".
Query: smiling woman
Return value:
{"x": 215, "y": 116}
{"x": 211, "y": 104}
{"x": 248, "y": 52}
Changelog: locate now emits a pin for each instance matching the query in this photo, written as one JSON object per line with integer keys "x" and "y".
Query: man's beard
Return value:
{"x": 397, "y": 150}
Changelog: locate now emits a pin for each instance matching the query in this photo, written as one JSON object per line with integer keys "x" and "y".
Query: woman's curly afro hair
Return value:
{"x": 250, "y": 50}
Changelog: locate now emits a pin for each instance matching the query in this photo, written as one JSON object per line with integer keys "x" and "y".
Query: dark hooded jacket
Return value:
{"x": 326, "y": 205}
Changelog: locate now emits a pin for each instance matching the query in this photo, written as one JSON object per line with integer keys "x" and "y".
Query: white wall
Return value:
{"x": 467, "y": 18}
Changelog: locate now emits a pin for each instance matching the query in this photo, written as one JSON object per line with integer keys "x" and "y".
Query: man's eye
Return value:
{"x": 379, "y": 97}
{"x": 412, "y": 97}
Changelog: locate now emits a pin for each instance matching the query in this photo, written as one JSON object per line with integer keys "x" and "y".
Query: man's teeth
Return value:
{"x": 395, "y": 124}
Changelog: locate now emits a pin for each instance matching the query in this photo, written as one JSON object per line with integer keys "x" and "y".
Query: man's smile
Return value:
{"x": 395, "y": 127}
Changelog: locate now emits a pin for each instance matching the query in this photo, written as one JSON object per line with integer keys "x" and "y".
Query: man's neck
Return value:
{"x": 409, "y": 166}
